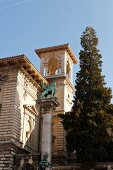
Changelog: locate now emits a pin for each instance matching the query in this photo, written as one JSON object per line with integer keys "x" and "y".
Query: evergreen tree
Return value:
{"x": 89, "y": 124}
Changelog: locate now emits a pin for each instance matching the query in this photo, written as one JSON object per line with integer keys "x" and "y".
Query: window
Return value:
{"x": 53, "y": 66}
{"x": 45, "y": 72}
{"x": 68, "y": 69}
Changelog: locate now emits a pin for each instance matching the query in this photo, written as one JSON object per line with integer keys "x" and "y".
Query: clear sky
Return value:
{"x": 26, "y": 25}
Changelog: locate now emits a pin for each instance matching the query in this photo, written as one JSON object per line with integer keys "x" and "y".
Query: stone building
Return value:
{"x": 25, "y": 124}
{"x": 57, "y": 65}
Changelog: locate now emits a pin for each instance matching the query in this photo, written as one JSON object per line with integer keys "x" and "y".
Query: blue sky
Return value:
{"x": 29, "y": 24}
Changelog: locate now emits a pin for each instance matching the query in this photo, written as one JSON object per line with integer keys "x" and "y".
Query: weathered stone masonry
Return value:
{"x": 18, "y": 111}
{"x": 21, "y": 120}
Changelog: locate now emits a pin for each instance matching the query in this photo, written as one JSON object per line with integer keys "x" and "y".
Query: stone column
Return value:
{"x": 46, "y": 136}
{"x": 47, "y": 106}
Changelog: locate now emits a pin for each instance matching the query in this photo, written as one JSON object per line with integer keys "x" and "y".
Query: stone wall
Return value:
{"x": 17, "y": 98}
{"x": 6, "y": 159}
{"x": 7, "y": 119}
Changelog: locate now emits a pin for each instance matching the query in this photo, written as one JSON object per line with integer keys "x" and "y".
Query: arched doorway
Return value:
{"x": 28, "y": 166}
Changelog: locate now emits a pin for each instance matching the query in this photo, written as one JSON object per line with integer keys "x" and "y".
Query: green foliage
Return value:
{"x": 89, "y": 124}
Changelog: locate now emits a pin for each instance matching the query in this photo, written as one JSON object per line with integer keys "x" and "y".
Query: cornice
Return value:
{"x": 31, "y": 108}
{"x": 57, "y": 48}
{"x": 21, "y": 61}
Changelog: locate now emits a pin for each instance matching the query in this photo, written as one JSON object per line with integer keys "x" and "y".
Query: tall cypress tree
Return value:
{"x": 89, "y": 124}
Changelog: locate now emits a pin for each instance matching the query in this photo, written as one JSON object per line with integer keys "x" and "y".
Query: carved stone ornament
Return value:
{"x": 3, "y": 77}
{"x": 48, "y": 104}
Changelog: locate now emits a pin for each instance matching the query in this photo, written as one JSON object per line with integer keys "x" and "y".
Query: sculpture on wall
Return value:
{"x": 50, "y": 89}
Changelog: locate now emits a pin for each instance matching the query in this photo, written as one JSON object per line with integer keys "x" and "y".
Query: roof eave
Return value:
{"x": 56, "y": 48}
{"x": 24, "y": 62}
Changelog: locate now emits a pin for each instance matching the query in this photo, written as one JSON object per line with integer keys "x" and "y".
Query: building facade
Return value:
{"x": 22, "y": 117}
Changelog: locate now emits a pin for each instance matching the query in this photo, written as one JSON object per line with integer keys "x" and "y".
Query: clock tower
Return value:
{"x": 57, "y": 66}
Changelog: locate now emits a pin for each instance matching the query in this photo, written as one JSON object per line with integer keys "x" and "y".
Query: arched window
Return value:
{"x": 59, "y": 69}
{"x": 68, "y": 69}
{"x": 53, "y": 66}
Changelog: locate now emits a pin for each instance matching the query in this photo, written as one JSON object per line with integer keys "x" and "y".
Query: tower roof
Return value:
{"x": 57, "y": 48}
